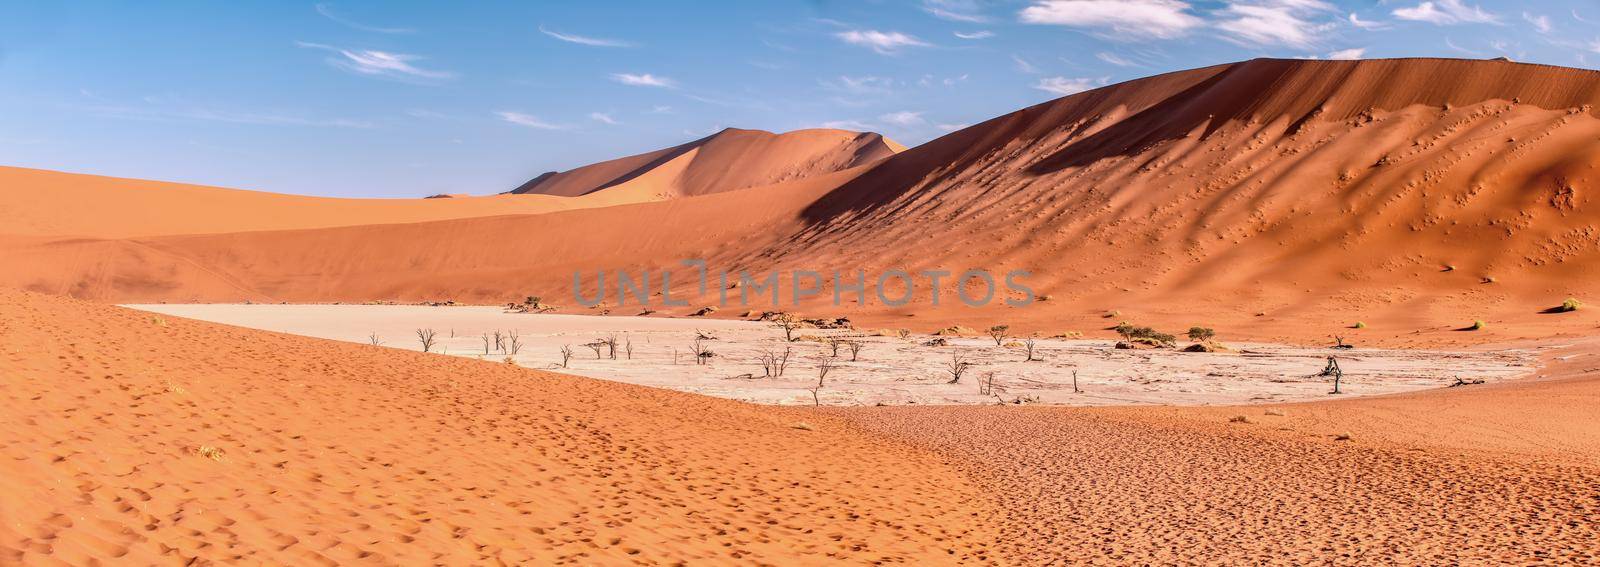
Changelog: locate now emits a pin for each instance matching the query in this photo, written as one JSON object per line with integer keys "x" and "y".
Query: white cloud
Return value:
{"x": 1365, "y": 24}
{"x": 1352, "y": 53}
{"x": 1118, "y": 19}
{"x": 955, "y": 10}
{"x": 1595, "y": 46}
{"x": 1274, "y": 22}
{"x": 659, "y": 109}
{"x": 528, "y": 120}
{"x": 377, "y": 63}
{"x": 327, "y": 12}
{"x": 1540, "y": 22}
{"x": 980, "y": 34}
{"x": 1115, "y": 59}
{"x": 1024, "y": 66}
{"x": 951, "y": 127}
{"x": 866, "y": 84}
{"x": 846, "y": 125}
{"x": 886, "y": 43}
{"x": 583, "y": 40}
{"x": 644, "y": 80}
{"x": 1064, "y": 86}
{"x": 903, "y": 118}
{"x": 603, "y": 117}
{"x": 1446, "y": 12}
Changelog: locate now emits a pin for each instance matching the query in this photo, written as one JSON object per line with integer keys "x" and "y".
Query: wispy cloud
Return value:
{"x": 1065, "y": 86}
{"x": 1116, "y": 19}
{"x": 528, "y": 120}
{"x": 376, "y": 63}
{"x": 1115, "y": 59}
{"x": 1352, "y": 53}
{"x": 980, "y": 34}
{"x": 1539, "y": 22}
{"x": 603, "y": 118}
{"x": 903, "y": 118}
{"x": 955, "y": 10}
{"x": 327, "y": 12}
{"x": 643, "y": 80}
{"x": 162, "y": 109}
{"x": 1366, "y": 24}
{"x": 862, "y": 85}
{"x": 846, "y": 125}
{"x": 1446, "y": 12}
{"x": 885, "y": 43}
{"x": 951, "y": 127}
{"x": 1023, "y": 65}
{"x": 1274, "y": 22}
{"x": 585, "y": 40}
{"x": 1450, "y": 43}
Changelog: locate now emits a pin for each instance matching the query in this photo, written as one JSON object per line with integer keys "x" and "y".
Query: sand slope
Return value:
{"x": 127, "y": 438}
{"x": 41, "y": 202}
{"x": 1271, "y": 199}
{"x": 728, "y": 160}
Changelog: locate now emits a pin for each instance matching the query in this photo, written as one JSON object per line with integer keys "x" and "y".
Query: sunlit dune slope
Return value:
{"x": 129, "y": 438}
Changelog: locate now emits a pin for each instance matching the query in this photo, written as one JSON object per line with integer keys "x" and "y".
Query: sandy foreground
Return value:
{"x": 886, "y": 370}
{"x": 132, "y": 437}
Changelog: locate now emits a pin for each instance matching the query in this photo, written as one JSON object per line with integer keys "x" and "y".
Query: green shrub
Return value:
{"x": 1201, "y": 334}
{"x": 1571, "y": 304}
{"x": 1478, "y": 325}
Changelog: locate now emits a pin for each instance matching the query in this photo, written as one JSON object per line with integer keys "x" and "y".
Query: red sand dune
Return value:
{"x": 725, "y": 161}
{"x": 40, "y": 202}
{"x": 131, "y": 438}
{"x": 1270, "y": 199}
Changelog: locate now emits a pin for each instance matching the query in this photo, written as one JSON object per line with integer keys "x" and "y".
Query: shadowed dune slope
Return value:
{"x": 1273, "y": 199}
{"x": 726, "y": 161}
{"x": 128, "y": 438}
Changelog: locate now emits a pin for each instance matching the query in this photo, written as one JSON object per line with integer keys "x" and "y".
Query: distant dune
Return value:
{"x": 41, "y": 202}
{"x": 1272, "y": 198}
{"x": 729, "y": 160}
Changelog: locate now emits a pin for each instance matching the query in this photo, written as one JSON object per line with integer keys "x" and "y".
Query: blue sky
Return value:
{"x": 408, "y": 99}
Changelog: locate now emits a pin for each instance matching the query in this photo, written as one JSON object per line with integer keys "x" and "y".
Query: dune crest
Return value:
{"x": 1279, "y": 199}
{"x": 728, "y": 160}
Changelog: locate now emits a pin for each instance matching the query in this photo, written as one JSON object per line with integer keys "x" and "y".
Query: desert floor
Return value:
{"x": 133, "y": 437}
{"x": 887, "y": 370}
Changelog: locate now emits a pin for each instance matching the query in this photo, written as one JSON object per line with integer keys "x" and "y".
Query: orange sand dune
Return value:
{"x": 726, "y": 161}
{"x": 1270, "y": 199}
{"x": 40, "y": 202}
{"x": 131, "y": 439}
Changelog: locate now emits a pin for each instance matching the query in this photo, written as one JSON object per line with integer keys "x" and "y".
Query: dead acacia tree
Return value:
{"x": 486, "y": 343}
{"x": 1028, "y": 344}
{"x": 611, "y": 346}
{"x": 374, "y": 339}
{"x": 628, "y": 346}
{"x": 957, "y": 366}
{"x": 1075, "y": 389}
{"x": 1332, "y": 369}
{"x": 513, "y": 342}
{"x": 426, "y": 337}
{"x": 825, "y": 365}
{"x": 788, "y": 322}
{"x": 566, "y": 355}
{"x": 999, "y": 334}
{"x": 702, "y": 353}
{"x": 499, "y": 341}
{"x": 596, "y": 346}
{"x": 986, "y": 384}
{"x": 855, "y": 349}
{"x": 773, "y": 362}
{"x": 834, "y": 343}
